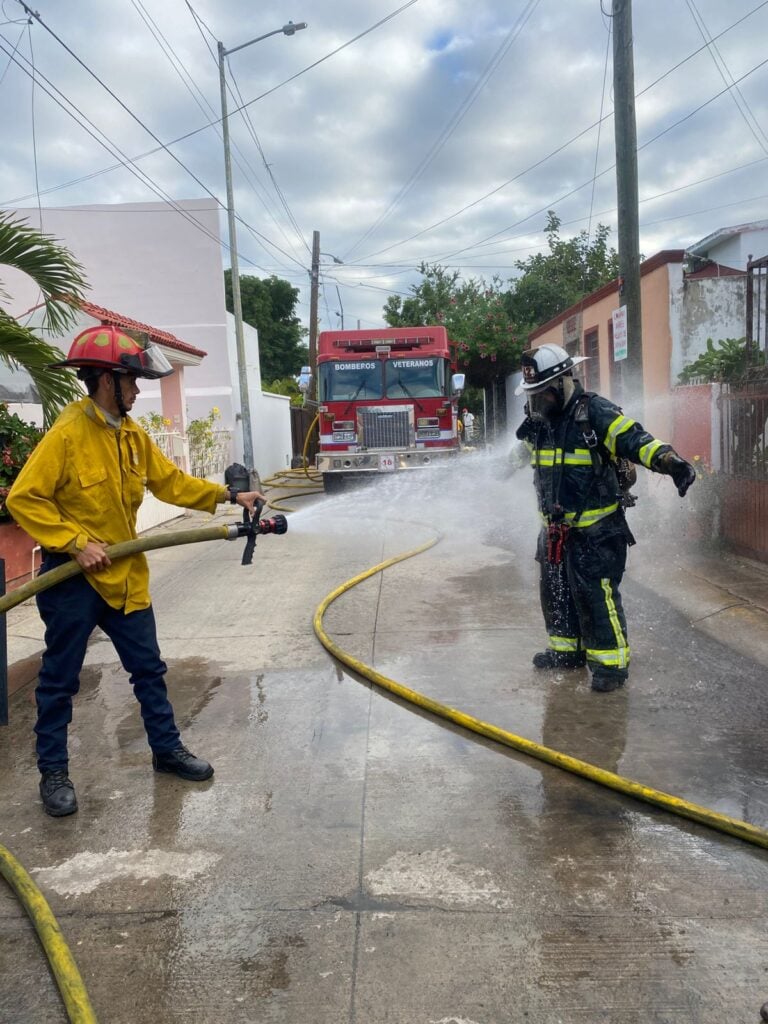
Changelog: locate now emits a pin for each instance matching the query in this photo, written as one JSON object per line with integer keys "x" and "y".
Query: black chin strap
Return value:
{"x": 119, "y": 395}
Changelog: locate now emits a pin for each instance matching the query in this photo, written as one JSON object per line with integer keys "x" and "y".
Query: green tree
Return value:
{"x": 474, "y": 314}
{"x": 285, "y": 386}
{"x": 551, "y": 282}
{"x": 269, "y": 305}
{"x": 727, "y": 362}
{"x": 61, "y": 282}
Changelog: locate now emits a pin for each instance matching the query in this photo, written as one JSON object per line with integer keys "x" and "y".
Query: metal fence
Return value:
{"x": 744, "y": 453}
{"x": 744, "y": 433}
{"x": 209, "y": 456}
{"x": 757, "y": 305}
{"x": 203, "y": 457}
{"x": 173, "y": 446}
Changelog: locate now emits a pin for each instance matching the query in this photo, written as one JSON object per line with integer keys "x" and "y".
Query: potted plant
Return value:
{"x": 17, "y": 441}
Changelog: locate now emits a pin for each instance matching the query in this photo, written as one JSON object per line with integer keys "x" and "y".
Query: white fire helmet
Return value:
{"x": 543, "y": 365}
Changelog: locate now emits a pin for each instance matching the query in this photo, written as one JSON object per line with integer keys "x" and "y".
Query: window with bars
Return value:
{"x": 591, "y": 369}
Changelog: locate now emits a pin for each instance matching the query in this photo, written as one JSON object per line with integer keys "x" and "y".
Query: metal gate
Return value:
{"x": 744, "y": 455}
{"x": 757, "y": 306}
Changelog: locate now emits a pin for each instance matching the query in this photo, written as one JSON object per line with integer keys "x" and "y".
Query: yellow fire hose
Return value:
{"x": 126, "y": 547}
{"x": 63, "y": 965}
{"x": 68, "y": 978}
{"x": 702, "y": 815}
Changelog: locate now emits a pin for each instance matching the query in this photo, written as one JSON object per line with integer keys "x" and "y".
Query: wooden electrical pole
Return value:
{"x": 314, "y": 275}
{"x": 626, "y": 191}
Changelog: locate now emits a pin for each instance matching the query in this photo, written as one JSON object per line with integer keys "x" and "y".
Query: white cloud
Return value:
{"x": 343, "y": 139}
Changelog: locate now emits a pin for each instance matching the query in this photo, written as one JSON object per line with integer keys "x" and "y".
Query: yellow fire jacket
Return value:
{"x": 86, "y": 480}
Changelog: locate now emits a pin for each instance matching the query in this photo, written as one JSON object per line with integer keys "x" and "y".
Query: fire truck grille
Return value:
{"x": 385, "y": 428}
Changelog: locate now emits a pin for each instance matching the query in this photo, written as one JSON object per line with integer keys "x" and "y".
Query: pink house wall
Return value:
{"x": 172, "y": 397}
{"x": 692, "y": 422}
{"x": 657, "y": 343}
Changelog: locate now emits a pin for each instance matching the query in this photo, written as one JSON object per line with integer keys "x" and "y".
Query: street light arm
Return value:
{"x": 286, "y": 30}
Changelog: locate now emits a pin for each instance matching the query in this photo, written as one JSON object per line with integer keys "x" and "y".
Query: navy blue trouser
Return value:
{"x": 580, "y": 596}
{"x": 71, "y": 611}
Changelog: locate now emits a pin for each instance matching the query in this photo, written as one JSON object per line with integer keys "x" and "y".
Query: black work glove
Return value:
{"x": 683, "y": 474}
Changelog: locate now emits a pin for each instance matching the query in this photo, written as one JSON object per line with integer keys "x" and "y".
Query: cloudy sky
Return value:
{"x": 443, "y": 133}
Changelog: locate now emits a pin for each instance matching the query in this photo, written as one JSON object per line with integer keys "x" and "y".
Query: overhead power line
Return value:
{"x": 133, "y": 115}
{"x": 453, "y": 122}
{"x": 279, "y": 192}
{"x": 215, "y": 121}
{"x": 584, "y": 184}
{"x": 205, "y": 107}
{"x": 80, "y": 119}
{"x": 743, "y": 107}
{"x": 554, "y": 152}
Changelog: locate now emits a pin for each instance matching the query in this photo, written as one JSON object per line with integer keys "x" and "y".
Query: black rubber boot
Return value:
{"x": 57, "y": 793}
{"x": 606, "y": 682}
{"x": 183, "y": 763}
{"x": 560, "y": 659}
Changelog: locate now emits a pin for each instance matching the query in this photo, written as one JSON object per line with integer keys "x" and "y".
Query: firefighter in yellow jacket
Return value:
{"x": 78, "y": 493}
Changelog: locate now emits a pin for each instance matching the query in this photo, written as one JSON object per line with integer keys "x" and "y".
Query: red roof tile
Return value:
{"x": 108, "y": 316}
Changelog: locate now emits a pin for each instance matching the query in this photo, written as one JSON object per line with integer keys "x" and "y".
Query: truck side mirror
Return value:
{"x": 457, "y": 383}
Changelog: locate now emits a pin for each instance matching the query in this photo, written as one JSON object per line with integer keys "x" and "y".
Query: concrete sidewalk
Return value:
{"x": 353, "y": 861}
{"x": 722, "y": 594}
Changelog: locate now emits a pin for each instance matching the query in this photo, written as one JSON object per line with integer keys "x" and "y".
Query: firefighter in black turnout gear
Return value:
{"x": 582, "y": 447}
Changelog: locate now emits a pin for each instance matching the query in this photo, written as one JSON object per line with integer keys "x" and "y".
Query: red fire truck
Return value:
{"x": 387, "y": 401}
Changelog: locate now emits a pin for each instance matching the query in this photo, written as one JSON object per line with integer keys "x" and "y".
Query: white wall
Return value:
{"x": 709, "y": 307}
{"x": 270, "y": 414}
{"x": 736, "y": 250}
{"x": 272, "y": 445}
{"x": 147, "y": 262}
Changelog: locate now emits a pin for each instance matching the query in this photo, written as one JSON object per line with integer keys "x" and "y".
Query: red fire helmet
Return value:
{"x": 108, "y": 348}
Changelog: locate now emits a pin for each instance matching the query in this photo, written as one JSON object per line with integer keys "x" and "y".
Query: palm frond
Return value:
{"x": 20, "y": 348}
{"x": 52, "y": 267}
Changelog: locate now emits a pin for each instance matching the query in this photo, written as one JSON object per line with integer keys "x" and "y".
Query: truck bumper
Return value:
{"x": 383, "y": 461}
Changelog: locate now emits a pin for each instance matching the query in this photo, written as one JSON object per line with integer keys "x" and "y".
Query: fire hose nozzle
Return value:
{"x": 277, "y": 524}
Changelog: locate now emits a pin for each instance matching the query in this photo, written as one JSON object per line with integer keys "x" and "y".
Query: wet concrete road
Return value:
{"x": 355, "y": 861}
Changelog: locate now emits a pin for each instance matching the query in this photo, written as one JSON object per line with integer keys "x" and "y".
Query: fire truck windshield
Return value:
{"x": 415, "y": 377}
{"x": 347, "y": 380}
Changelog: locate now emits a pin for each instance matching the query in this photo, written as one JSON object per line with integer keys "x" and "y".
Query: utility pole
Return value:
{"x": 314, "y": 280}
{"x": 627, "y": 195}
{"x": 314, "y": 274}
{"x": 237, "y": 305}
{"x": 341, "y": 314}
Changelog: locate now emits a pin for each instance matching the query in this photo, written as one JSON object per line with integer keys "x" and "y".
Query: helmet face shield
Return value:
{"x": 150, "y": 362}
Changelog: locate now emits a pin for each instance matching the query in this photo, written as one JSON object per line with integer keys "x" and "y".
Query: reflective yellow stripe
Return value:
{"x": 647, "y": 452}
{"x": 618, "y": 658}
{"x": 619, "y": 426}
{"x": 611, "y": 659}
{"x": 564, "y": 643}
{"x": 554, "y": 456}
{"x": 590, "y": 516}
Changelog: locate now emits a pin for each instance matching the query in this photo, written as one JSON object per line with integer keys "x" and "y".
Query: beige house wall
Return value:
{"x": 657, "y": 346}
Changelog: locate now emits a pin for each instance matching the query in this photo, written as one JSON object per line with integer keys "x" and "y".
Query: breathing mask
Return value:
{"x": 546, "y": 405}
